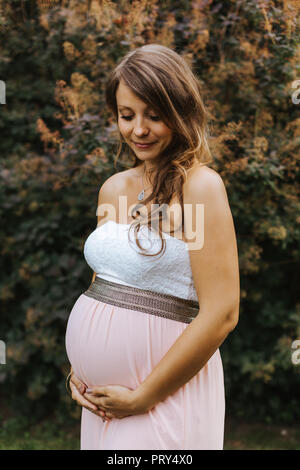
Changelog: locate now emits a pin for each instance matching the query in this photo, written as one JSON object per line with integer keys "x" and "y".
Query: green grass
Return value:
{"x": 242, "y": 436}
{"x": 15, "y": 434}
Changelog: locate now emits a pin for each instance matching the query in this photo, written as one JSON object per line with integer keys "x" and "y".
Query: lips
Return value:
{"x": 143, "y": 145}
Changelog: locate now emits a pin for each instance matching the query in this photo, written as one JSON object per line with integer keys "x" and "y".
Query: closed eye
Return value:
{"x": 128, "y": 118}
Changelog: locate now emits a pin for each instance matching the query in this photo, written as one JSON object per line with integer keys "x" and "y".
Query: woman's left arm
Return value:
{"x": 216, "y": 278}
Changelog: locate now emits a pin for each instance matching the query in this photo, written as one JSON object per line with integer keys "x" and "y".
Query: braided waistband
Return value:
{"x": 133, "y": 298}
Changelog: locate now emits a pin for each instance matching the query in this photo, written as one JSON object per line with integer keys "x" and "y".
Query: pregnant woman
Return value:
{"x": 143, "y": 340}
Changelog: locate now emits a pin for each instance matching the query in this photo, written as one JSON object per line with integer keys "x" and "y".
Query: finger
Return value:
{"x": 96, "y": 400}
{"x": 101, "y": 414}
{"x": 80, "y": 385}
{"x": 99, "y": 391}
{"x": 86, "y": 403}
{"x": 81, "y": 400}
{"x": 98, "y": 413}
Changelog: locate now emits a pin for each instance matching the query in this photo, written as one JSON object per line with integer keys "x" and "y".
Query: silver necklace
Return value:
{"x": 142, "y": 193}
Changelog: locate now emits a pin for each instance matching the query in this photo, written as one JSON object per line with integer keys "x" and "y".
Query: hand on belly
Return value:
{"x": 116, "y": 400}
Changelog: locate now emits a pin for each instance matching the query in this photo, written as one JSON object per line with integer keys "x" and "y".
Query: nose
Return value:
{"x": 140, "y": 129}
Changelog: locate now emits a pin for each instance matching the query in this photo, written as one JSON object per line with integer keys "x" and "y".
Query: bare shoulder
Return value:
{"x": 115, "y": 183}
{"x": 205, "y": 192}
{"x": 113, "y": 187}
{"x": 203, "y": 175}
{"x": 204, "y": 184}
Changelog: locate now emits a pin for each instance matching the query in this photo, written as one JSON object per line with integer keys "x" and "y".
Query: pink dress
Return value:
{"x": 109, "y": 345}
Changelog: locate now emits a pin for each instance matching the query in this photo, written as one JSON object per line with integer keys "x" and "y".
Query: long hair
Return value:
{"x": 163, "y": 80}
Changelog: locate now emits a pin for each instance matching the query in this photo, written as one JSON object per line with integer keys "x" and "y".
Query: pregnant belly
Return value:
{"x": 106, "y": 344}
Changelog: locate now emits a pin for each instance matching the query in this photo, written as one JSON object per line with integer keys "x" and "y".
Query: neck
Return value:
{"x": 149, "y": 166}
{"x": 144, "y": 171}
{"x": 148, "y": 174}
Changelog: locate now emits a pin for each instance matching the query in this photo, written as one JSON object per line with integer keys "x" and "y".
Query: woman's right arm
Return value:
{"x": 77, "y": 387}
{"x": 105, "y": 196}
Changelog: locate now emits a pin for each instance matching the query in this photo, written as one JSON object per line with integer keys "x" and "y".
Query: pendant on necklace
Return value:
{"x": 141, "y": 195}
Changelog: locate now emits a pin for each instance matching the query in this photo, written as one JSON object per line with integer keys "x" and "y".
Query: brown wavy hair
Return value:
{"x": 163, "y": 80}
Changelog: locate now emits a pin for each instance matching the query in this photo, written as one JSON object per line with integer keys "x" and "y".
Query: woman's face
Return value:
{"x": 139, "y": 124}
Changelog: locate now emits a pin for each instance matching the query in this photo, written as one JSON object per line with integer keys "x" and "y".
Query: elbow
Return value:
{"x": 232, "y": 325}
{"x": 232, "y": 319}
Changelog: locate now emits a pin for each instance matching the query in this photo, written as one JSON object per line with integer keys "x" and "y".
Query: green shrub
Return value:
{"x": 58, "y": 146}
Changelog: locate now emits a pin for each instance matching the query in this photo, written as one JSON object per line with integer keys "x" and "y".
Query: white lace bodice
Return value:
{"x": 113, "y": 257}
